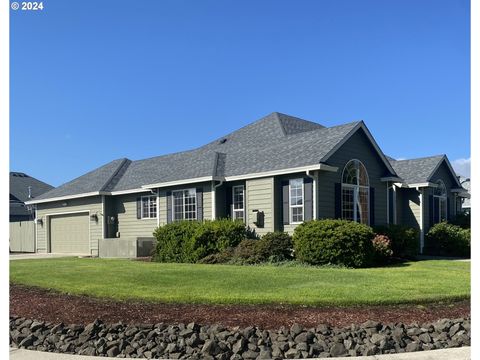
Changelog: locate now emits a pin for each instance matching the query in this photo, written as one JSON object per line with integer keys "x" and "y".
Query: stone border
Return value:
{"x": 193, "y": 341}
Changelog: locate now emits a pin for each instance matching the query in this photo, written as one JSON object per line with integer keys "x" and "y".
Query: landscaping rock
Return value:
{"x": 192, "y": 341}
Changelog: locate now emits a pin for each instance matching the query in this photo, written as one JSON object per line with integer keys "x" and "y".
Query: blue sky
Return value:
{"x": 93, "y": 81}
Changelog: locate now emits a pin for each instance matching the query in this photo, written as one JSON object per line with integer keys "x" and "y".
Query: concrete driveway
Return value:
{"x": 25, "y": 256}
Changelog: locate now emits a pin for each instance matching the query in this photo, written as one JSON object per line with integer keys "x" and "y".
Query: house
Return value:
{"x": 466, "y": 207}
{"x": 23, "y": 188}
{"x": 273, "y": 174}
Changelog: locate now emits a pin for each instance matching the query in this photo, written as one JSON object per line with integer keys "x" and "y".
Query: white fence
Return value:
{"x": 22, "y": 236}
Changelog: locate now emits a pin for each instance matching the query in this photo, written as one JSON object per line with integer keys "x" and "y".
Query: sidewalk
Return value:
{"x": 462, "y": 353}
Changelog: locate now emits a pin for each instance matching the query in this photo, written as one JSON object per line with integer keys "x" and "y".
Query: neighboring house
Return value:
{"x": 466, "y": 207}
{"x": 23, "y": 188}
{"x": 273, "y": 174}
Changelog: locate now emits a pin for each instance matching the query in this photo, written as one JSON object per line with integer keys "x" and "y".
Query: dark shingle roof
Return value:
{"x": 415, "y": 171}
{"x": 19, "y": 184}
{"x": 93, "y": 181}
{"x": 276, "y": 141}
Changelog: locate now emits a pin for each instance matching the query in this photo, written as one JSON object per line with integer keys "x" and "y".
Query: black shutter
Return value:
{"x": 338, "y": 201}
{"x": 199, "y": 204}
{"x": 372, "y": 206}
{"x": 431, "y": 217}
{"x": 390, "y": 205}
{"x": 436, "y": 210}
{"x": 285, "y": 200}
{"x": 139, "y": 207}
{"x": 448, "y": 209}
{"x": 308, "y": 198}
{"x": 229, "y": 201}
{"x": 169, "y": 207}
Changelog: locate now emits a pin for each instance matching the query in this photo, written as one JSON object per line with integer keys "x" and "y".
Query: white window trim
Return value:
{"x": 356, "y": 192}
{"x": 151, "y": 198}
{"x": 233, "y": 202}
{"x": 296, "y": 206}
{"x": 183, "y": 204}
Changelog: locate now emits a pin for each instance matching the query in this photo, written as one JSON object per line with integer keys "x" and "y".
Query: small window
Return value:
{"x": 296, "y": 201}
{"x": 238, "y": 203}
{"x": 184, "y": 204}
{"x": 149, "y": 207}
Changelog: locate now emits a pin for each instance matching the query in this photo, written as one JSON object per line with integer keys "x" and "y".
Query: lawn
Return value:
{"x": 412, "y": 282}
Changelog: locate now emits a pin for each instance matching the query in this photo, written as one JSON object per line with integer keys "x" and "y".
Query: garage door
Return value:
{"x": 70, "y": 234}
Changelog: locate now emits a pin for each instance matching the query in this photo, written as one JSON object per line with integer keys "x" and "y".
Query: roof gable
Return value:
{"x": 420, "y": 170}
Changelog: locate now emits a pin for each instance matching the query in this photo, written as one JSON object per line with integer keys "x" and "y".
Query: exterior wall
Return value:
{"x": 408, "y": 206}
{"x": 357, "y": 147}
{"x": 128, "y": 224}
{"x": 260, "y": 195}
{"x": 443, "y": 173}
{"x": 207, "y": 200}
{"x": 92, "y": 204}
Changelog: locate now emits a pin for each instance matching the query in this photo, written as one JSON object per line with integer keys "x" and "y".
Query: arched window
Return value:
{"x": 355, "y": 192}
{"x": 440, "y": 201}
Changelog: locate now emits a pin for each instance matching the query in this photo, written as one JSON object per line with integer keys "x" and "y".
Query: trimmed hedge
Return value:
{"x": 405, "y": 241}
{"x": 275, "y": 247}
{"x": 190, "y": 241}
{"x": 338, "y": 242}
{"x": 449, "y": 240}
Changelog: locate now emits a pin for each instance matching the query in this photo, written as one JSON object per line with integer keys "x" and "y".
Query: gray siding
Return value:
{"x": 92, "y": 204}
{"x": 128, "y": 224}
{"x": 357, "y": 147}
{"x": 260, "y": 196}
{"x": 408, "y": 205}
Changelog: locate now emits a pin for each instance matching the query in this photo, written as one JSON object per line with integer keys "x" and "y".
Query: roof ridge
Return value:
{"x": 125, "y": 161}
{"x": 424, "y": 157}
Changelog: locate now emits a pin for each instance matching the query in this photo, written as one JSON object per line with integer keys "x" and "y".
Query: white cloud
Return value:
{"x": 462, "y": 167}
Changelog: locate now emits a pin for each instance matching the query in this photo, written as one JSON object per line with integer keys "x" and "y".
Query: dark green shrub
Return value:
{"x": 246, "y": 252}
{"x": 175, "y": 242}
{"x": 404, "y": 239}
{"x": 338, "y": 242}
{"x": 218, "y": 235}
{"x": 190, "y": 241}
{"x": 222, "y": 257}
{"x": 382, "y": 249}
{"x": 462, "y": 220}
{"x": 274, "y": 247}
{"x": 448, "y": 240}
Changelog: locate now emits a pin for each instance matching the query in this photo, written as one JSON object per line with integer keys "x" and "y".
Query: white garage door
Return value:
{"x": 70, "y": 234}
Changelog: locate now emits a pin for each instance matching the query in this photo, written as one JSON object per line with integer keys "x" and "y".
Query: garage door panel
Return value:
{"x": 70, "y": 234}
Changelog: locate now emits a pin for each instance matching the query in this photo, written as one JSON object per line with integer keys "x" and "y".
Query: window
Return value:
{"x": 440, "y": 197}
{"x": 184, "y": 204}
{"x": 149, "y": 207}
{"x": 238, "y": 202}
{"x": 355, "y": 192}
{"x": 296, "y": 201}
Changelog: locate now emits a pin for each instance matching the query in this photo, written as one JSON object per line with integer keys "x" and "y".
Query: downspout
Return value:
{"x": 214, "y": 201}
{"x": 314, "y": 179}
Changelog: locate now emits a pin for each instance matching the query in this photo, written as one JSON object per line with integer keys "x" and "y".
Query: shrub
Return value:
{"x": 448, "y": 240}
{"x": 221, "y": 257}
{"x": 175, "y": 242}
{"x": 462, "y": 220}
{"x": 338, "y": 242}
{"x": 404, "y": 239}
{"x": 189, "y": 241}
{"x": 275, "y": 247}
{"x": 382, "y": 249}
{"x": 246, "y": 252}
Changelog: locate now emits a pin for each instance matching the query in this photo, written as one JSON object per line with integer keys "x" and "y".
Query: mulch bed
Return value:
{"x": 36, "y": 303}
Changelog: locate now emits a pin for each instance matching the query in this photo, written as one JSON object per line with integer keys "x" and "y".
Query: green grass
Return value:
{"x": 413, "y": 282}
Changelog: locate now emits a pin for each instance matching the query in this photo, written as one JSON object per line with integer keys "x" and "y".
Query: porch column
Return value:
{"x": 420, "y": 190}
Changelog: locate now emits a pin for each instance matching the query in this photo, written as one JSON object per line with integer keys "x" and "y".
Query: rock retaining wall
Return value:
{"x": 194, "y": 341}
